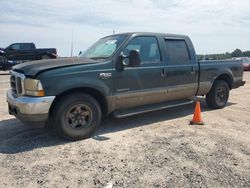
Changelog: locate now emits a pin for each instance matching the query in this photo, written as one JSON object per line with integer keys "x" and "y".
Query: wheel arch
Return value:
{"x": 99, "y": 96}
{"x": 227, "y": 78}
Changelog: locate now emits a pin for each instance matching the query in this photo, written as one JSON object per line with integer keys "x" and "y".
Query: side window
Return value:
{"x": 177, "y": 51}
{"x": 26, "y": 47}
{"x": 15, "y": 46}
{"x": 147, "y": 47}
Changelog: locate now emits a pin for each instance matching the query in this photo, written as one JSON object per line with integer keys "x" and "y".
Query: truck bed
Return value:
{"x": 211, "y": 69}
{"x": 47, "y": 50}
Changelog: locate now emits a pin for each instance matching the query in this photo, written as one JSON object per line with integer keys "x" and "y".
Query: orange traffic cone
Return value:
{"x": 197, "y": 115}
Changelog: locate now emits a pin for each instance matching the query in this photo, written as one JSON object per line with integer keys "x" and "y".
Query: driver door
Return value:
{"x": 13, "y": 52}
{"x": 135, "y": 86}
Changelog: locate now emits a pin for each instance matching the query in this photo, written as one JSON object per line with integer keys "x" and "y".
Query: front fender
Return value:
{"x": 2, "y": 53}
{"x": 86, "y": 83}
{"x": 54, "y": 86}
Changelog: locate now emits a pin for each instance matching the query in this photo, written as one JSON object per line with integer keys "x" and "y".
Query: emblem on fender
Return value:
{"x": 105, "y": 76}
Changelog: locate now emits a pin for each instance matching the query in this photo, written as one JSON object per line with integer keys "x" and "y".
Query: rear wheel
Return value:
{"x": 76, "y": 116}
{"x": 218, "y": 96}
{"x": 45, "y": 57}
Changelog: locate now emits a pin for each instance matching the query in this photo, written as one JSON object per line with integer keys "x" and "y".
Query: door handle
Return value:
{"x": 193, "y": 71}
{"x": 164, "y": 73}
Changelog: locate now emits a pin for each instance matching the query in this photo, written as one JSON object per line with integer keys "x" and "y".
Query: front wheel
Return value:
{"x": 4, "y": 63}
{"x": 218, "y": 95}
{"x": 3, "y": 59}
{"x": 76, "y": 116}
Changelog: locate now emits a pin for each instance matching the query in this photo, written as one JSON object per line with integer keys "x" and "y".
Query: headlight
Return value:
{"x": 33, "y": 87}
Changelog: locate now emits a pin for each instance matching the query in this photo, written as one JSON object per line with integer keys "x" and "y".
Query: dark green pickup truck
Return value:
{"x": 123, "y": 74}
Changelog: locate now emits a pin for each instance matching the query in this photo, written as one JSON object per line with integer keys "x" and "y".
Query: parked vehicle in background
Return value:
{"x": 123, "y": 75}
{"x": 7, "y": 65}
{"x": 246, "y": 64}
{"x": 21, "y": 52}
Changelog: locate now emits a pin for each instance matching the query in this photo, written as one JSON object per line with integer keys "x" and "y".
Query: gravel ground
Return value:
{"x": 156, "y": 149}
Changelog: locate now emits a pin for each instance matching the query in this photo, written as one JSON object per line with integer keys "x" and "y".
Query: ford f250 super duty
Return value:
{"x": 122, "y": 74}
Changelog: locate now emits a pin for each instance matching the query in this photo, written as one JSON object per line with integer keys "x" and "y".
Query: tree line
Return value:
{"x": 236, "y": 53}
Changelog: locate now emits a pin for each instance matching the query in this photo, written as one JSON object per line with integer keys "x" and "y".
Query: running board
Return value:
{"x": 150, "y": 108}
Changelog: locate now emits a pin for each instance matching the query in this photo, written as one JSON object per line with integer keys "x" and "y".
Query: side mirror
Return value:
{"x": 134, "y": 58}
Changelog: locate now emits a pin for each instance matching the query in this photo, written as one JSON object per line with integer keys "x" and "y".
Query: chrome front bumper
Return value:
{"x": 29, "y": 108}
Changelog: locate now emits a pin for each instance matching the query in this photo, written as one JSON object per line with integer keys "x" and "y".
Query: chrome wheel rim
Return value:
{"x": 221, "y": 95}
{"x": 79, "y": 116}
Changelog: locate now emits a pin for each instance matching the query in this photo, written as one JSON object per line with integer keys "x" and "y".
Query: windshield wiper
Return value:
{"x": 95, "y": 58}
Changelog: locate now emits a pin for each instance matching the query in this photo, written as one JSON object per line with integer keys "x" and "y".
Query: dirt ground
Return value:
{"x": 156, "y": 149}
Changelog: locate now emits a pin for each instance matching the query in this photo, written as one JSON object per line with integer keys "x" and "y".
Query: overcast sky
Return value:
{"x": 215, "y": 26}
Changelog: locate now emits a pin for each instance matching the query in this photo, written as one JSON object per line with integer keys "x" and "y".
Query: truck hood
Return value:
{"x": 32, "y": 68}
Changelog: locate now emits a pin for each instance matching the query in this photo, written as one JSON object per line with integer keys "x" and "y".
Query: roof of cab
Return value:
{"x": 151, "y": 33}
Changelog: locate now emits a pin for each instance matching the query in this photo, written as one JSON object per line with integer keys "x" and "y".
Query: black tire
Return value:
{"x": 218, "y": 95}
{"x": 45, "y": 57}
{"x": 76, "y": 116}
{"x": 4, "y": 63}
{"x": 3, "y": 59}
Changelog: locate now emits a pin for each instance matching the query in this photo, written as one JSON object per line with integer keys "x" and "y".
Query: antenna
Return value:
{"x": 72, "y": 38}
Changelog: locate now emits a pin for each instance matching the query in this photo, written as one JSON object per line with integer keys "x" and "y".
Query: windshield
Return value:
{"x": 105, "y": 47}
{"x": 246, "y": 60}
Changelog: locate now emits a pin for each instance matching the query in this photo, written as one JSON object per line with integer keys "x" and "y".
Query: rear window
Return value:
{"x": 177, "y": 51}
{"x": 27, "y": 47}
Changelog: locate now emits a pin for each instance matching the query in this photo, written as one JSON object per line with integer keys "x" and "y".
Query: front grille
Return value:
{"x": 16, "y": 83}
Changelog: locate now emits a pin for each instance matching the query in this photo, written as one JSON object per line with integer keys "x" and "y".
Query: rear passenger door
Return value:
{"x": 27, "y": 51}
{"x": 181, "y": 71}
